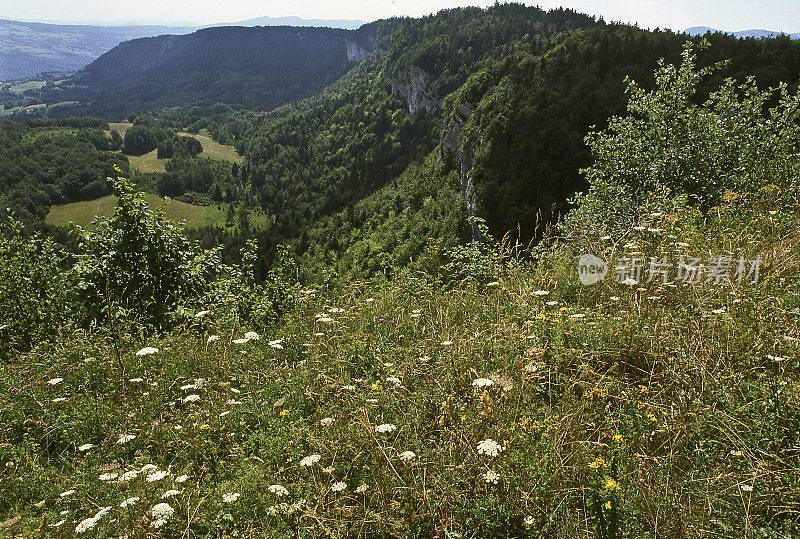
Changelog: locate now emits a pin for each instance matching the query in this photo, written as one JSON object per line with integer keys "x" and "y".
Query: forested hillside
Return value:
{"x": 256, "y": 68}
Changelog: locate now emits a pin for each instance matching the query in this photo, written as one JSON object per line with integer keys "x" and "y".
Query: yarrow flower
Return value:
{"x": 146, "y": 351}
{"x": 125, "y": 438}
{"x": 276, "y": 344}
{"x": 327, "y": 421}
{"x": 491, "y": 477}
{"x": 489, "y": 447}
{"x": 482, "y": 382}
{"x": 170, "y": 493}
{"x": 86, "y": 525}
{"x": 129, "y": 501}
{"x": 212, "y": 338}
{"x": 394, "y": 380}
{"x": 339, "y": 486}
{"x": 230, "y": 497}
{"x": 181, "y": 478}
{"x": 201, "y": 314}
{"x": 240, "y": 341}
{"x": 127, "y": 476}
{"x": 108, "y": 476}
{"x": 362, "y": 488}
{"x": 156, "y": 476}
{"x": 386, "y": 427}
{"x": 161, "y": 513}
{"x": 191, "y": 398}
{"x": 328, "y": 469}
{"x": 278, "y": 490}
{"x": 310, "y": 460}
{"x": 55, "y": 381}
{"x": 85, "y": 447}
{"x": 407, "y": 456}
{"x": 252, "y": 335}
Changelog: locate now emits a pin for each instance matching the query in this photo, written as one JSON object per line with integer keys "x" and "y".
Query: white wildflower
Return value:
{"x": 446, "y": 343}
{"x": 191, "y": 398}
{"x": 85, "y": 447}
{"x": 67, "y": 493}
{"x": 170, "y": 494}
{"x": 240, "y": 341}
{"x": 492, "y": 284}
{"x": 157, "y": 523}
{"x": 129, "y": 501}
{"x": 230, "y": 497}
{"x": 201, "y": 314}
{"x": 127, "y": 476}
{"x": 529, "y": 521}
{"x": 276, "y": 344}
{"x": 489, "y": 447}
{"x": 108, "y": 476}
{"x": 278, "y": 490}
{"x": 482, "y": 382}
{"x": 148, "y": 467}
{"x": 362, "y": 488}
{"x": 158, "y": 475}
{"x": 310, "y": 460}
{"x": 491, "y": 477}
{"x": 136, "y": 380}
{"x": 57, "y": 524}
{"x": 541, "y": 293}
{"x": 55, "y": 381}
{"x": 146, "y": 351}
{"x": 328, "y": 470}
{"x": 326, "y": 421}
{"x": 125, "y": 438}
{"x": 181, "y": 478}
{"x": 86, "y": 525}
{"x": 212, "y": 338}
{"x": 162, "y": 510}
{"x": 394, "y": 380}
{"x": 407, "y": 456}
{"x": 338, "y": 486}
{"x": 386, "y": 427}
{"x": 252, "y": 335}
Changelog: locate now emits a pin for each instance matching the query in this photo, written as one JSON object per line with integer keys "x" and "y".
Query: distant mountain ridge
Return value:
{"x": 30, "y": 48}
{"x": 702, "y": 30}
{"x": 257, "y": 68}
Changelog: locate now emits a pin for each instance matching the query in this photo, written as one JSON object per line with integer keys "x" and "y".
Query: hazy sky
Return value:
{"x": 676, "y": 14}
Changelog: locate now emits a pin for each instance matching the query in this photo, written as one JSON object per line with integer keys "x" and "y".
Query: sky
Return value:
{"x": 729, "y": 15}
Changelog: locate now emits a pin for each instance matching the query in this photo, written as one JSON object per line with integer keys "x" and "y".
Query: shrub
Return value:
{"x": 142, "y": 264}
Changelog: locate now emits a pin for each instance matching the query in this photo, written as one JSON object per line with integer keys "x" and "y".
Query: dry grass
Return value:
{"x": 82, "y": 213}
{"x": 148, "y": 162}
{"x": 215, "y": 150}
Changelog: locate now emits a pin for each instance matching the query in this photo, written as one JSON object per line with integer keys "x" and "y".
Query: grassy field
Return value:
{"x": 215, "y": 150}
{"x": 30, "y": 85}
{"x": 82, "y": 213}
{"x": 148, "y": 162}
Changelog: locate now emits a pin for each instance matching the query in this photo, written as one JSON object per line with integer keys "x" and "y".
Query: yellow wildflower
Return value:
{"x": 284, "y": 413}
{"x": 611, "y": 485}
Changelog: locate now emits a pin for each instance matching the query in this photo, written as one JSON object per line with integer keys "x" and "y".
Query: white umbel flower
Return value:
{"x": 489, "y": 447}
{"x": 339, "y": 486}
{"x": 278, "y": 490}
{"x": 407, "y": 456}
{"x": 491, "y": 477}
{"x": 310, "y": 460}
{"x": 147, "y": 351}
{"x": 482, "y": 382}
{"x": 230, "y": 497}
{"x": 385, "y": 428}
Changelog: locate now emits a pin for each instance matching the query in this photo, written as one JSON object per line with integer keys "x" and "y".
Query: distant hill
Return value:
{"x": 702, "y": 30}
{"x": 297, "y": 21}
{"x": 30, "y": 48}
{"x": 251, "y": 67}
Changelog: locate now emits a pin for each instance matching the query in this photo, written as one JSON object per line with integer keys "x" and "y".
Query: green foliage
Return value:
{"x": 669, "y": 149}
{"x": 41, "y": 166}
{"x": 141, "y": 266}
{"x": 140, "y": 139}
{"x": 35, "y": 288}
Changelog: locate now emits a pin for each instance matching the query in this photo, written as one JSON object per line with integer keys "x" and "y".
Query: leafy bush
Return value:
{"x": 142, "y": 265}
{"x": 140, "y": 140}
{"x": 669, "y": 149}
{"x": 34, "y": 288}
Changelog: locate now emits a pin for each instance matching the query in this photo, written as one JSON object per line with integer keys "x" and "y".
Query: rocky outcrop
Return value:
{"x": 413, "y": 86}
{"x": 355, "y": 52}
{"x": 452, "y": 146}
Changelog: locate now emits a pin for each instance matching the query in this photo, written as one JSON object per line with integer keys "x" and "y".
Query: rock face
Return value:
{"x": 355, "y": 52}
{"x": 413, "y": 86}
{"x": 462, "y": 151}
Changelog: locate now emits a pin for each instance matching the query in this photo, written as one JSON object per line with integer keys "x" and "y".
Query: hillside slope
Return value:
{"x": 256, "y": 68}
